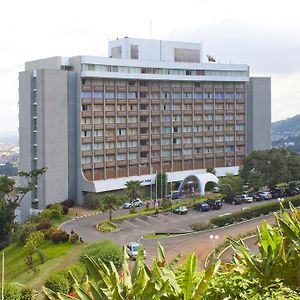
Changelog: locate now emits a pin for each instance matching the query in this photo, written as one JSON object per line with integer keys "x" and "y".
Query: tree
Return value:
{"x": 140, "y": 282}
{"x": 161, "y": 182}
{"x": 270, "y": 167}
{"x": 11, "y": 197}
{"x": 109, "y": 202}
{"x": 33, "y": 243}
{"x": 231, "y": 185}
{"x": 134, "y": 189}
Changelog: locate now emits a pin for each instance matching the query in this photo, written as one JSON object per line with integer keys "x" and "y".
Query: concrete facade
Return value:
{"x": 97, "y": 122}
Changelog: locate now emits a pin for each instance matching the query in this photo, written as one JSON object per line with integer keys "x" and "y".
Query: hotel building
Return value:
{"x": 152, "y": 105}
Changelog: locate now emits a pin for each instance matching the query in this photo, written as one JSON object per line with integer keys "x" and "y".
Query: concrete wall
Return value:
{"x": 153, "y": 50}
{"x": 258, "y": 114}
{"x": 52, "y": 136}
{"x": 25, "y": 134}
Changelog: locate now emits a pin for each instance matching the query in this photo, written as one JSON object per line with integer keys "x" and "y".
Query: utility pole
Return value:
{"x": 2, "y": 290}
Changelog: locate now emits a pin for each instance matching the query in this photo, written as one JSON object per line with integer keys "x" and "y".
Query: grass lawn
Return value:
{"x": 57, "y": 257}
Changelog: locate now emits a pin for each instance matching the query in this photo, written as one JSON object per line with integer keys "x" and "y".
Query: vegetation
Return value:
{"x": 200, "y": 226}
{"x": 270, "y": 167}
{"x": 134, "y": 189}
{"x": 109, "y": 202}
{"x": 11, "y": 197}
{"x": 104, "y": 250}
{"x": 107, "y": 226}
{"x": 253, "y": 212}
{"x": 231, "y": 185}
{"x": 159, "y": 282}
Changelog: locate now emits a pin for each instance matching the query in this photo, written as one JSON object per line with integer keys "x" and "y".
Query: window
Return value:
{"x": 110, "y": 132}
{"x": 219, "y": 139}
{"x": 121, "y": 131}
{"x": 86, "y": 133}
{"x": 188, "y": 140}
{"x": 187, "y": 151}
{"x": 208, "y": 139}
{"x": 132, "y": 119}
{"x": 229, "y": 149}
{"x": 109, "y": 107}
{"x": 176, "y": 129}
{"x": 98, "y": 95}
{"x": 166, "y": 130}
{"x": 122, "y": 144}
{"x": 187, "y": 55}
{"x": 177, "y": 141}
{"x": 85, "y": 147}
{"x": 86, "y": 160}
{"x": 132, "y": 131}
{"x": 198, "y": 96}
{"x": 98, "y": 120}
{"x": 208, "y": 106}
{"x": 121, "y": 156}
{"x": 166, "y": 153}
{"x": 110, "y": 157}
{"x": 188, "y": 129}
{"x": 109, "y": 120}
{"x": 187, "y": 95}
{"x": 176, "y": 95}
{"x": 176, "y": 118}
{"x": 229, "y": 117}
{"x": 98, "y": 107}
{"x": 229, "y": 138}
{"x": 208, "y": 118}
{"x": 134, "y": 51}
{"x": 98, "y": 146}
{"x": 86, "y": 121}
{"x": 208, "y": 150}
{"x": 121, "y": 95}
{"x": 198, "y": 139}
{"x": 219, "y": 128}
{"x": 132, "y": 95}
{"x": 121, "y": 119}
{"x": 109, "y": 95}
{"x": 98, "y": 158}
{"x": 116, "y": 52}
{"x": 132, "y": 155}
{"x": 143, "y": 106}
{"x": 166, "y": 141}
{"x": 166, "y": 118}
{"x": 165, "y": 95}
{"x": 240, "y": 127}
{"x": 198, "y": 128}
{"x": 132, "y": 144}
{"x": 85, "y": 107}
{"x": 98, "y": 133}
{"x": 86, "y": 94}
{"x": 110, "y": 145}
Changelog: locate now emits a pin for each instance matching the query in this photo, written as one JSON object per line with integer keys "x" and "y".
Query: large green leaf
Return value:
{"x": 187, "y": 283}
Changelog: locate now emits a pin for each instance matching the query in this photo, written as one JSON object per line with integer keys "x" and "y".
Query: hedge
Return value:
{"x": 253, "y": 212}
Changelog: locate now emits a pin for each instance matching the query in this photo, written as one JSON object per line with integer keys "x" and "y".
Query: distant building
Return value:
{"x": 153, "y": 105}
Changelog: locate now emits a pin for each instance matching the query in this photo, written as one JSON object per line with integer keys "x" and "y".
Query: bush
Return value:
{"x": 24, "y": 231}
{"x": 26, "y": 293}
{"x": 106, "y": 251}
{"x": 68, "y": 202}
{"x": 106, "y": 226}
{"x": 92, "y": 202}
{"x": 74, "y": 237}
{"x": 44, "y": 224}
{"x": 58, "y": 282}
{"x": 54, "y": 214}
{"x": 132, "y": 210}
{"x": 253, "y": 212}
{"x": 11, "y": 291}
{"x": 48, "y": 233}
{"x": 201, "y": 226}
{"x": 78, "y": 271}
{"x": 59, "y": 235}
{"x": 65, "y": 209}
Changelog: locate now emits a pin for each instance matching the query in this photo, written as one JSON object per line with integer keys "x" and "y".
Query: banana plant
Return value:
{"x": 278, "y": 247}
{"x": 142, "y": 283}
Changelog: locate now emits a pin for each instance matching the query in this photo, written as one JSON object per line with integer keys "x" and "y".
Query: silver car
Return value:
{"x": 132, "y": 250}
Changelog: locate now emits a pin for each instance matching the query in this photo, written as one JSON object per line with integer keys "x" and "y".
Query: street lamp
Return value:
{"x": 214, "y": 238}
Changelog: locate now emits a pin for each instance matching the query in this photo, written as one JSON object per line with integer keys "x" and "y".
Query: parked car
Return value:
{"x": 245, "y": 198}
{"x": 290, "y": 192}
{"x": 136, "y": 203}
{"x": 265, "y": 195}
{"x": 202, "y": 206}
{"x": 180, "y": 210}
{"x": 214, "y": 203}
{"x": 175, "y": 195}
{"x": 257, "y": 197}
{"x": 216, "y": 189}
{"x": 232, "y": 200}
{"x": 132, "y": 249}
{"x": 278, "y": 193}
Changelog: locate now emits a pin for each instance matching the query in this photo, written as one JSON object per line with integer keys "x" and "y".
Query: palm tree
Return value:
{"x": 134, "y": 189}
{"x": 109, "y": 202}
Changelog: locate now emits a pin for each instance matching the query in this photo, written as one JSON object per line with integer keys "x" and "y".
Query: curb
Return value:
{"x": 80, "y": 217}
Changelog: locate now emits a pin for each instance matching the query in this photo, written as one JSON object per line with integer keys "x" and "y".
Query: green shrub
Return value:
{"x": 106, "y": 226}
{"x": 201, "y": 226}
{"x": 54, "y": 214}
{"x": 78, "y": 271}
{"x": 48, "y": 233}
{"x": 74, "y": 238}
{"x": 58, "y": 282}
{"x": 11, "y": 291}
{"x": 24, "y": 231}
{"x": 92, "y": 202}
{"x": 26, "y": 293}
{"x": 59, "y": 235}
{"x": 132, "y": 210}
{"x": 106, "y": 251}
{"x": 253, "y": 212}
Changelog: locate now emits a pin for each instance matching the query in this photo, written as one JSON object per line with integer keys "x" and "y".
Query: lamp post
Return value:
{"x": 214, "y": 238}
{"x": 2, "y": 287}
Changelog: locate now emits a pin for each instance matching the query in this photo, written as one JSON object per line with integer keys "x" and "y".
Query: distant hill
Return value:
{"x": 286, "y": 128}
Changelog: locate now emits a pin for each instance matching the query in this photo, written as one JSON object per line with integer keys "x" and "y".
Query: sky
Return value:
{"x": 264, "y": 34}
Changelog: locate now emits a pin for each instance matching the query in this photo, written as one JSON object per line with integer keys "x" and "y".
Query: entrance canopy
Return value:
{"x": 201, "y": 179}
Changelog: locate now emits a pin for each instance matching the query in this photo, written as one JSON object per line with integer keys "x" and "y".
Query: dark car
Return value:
{"x": 175, "y": 195}
{"x": 290, "y": 192}
{"x": 214, "y": 203}
{"x": 180, "y": 210}
{"x": 278, "y": 193}
{"x": 232, "y": 200}
{"x": 202, "y": 206}
{"x": 257, "y": 197}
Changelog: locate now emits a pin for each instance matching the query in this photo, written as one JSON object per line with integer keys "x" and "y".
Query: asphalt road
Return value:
{"x": 134, "y": 229}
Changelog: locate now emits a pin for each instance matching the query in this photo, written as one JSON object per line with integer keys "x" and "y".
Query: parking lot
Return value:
{"x": 174, "y": 223}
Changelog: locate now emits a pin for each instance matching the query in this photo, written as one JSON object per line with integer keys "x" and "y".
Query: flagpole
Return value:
{"x": 156, "y": 185}
{"x": 2, "y": 290}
